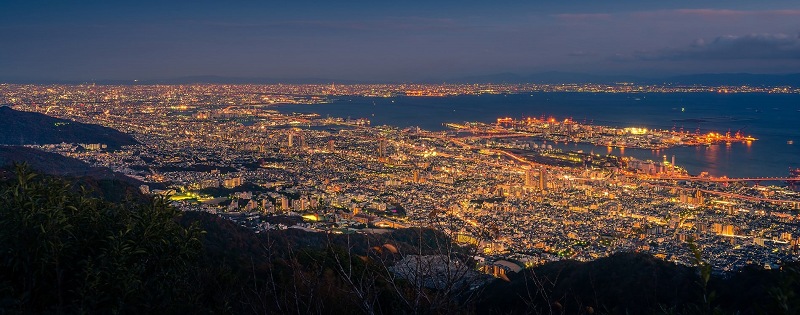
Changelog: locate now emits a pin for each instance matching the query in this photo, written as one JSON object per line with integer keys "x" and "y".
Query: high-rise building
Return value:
{"x": 382, "y": 148}
{"x": 699, "y": 200}
{"x": 284, "y": 203}
{"x": 542, "y": 180}
{"x": 728, "y": 230}
{"x": 529, "y": 178}
{"x": 716, "y": 228}
{"x": 330, "y": 145}
{"x": 232, "y": 182}
{"x": 291, "y": 139}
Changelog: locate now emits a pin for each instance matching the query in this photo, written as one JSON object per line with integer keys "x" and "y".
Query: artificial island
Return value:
{"x": 497, "y": 185}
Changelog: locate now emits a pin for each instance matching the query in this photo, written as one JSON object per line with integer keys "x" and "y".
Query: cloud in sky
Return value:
{"x": 736, "y": 13}
{"x": 393, "y": 41}
{"x": 730, "y": 47}
{"x": 711, "y": 12}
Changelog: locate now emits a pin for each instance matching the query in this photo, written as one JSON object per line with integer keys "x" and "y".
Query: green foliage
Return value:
{"x": 65, "y": 252}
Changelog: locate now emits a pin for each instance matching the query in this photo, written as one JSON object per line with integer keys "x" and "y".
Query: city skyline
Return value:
{"x": 464, "y": 157}
{"x": 413, "y": 41}
{"x": 240, "y": 152}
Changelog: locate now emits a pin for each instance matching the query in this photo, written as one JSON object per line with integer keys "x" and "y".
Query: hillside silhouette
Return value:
{"x": 68, "y": 250}
{"x": 20, "y": 128}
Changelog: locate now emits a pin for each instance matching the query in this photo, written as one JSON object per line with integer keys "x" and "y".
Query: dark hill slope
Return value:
{"x": 106, "y": 183}
{"x": 18, "y": 127}
{"x": 636, "y": 283}
{"x": 45, "y": 162}
{"x": 624, "y": 283}
{"x": 231, "y": 269}
{"x": 55, "y": 164}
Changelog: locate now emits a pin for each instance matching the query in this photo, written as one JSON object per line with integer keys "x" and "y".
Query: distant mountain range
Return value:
{"x": 710, "y": 79}
{"x": 19, "y": 128}
{"x": 737, "y": 79}
{"x": 552, "y": 77}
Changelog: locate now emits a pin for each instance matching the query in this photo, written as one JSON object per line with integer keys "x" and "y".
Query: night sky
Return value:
{"x": 393, "y": 40}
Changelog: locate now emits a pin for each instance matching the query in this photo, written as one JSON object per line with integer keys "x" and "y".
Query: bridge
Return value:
{"x": 793, "y": 203}
{"x": 497, "y": 136}
{"x": 783, "y": 202}
{"x": 730, "y": 180}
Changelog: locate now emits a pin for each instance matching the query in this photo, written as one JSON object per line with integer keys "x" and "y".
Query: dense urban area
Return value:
{"x": 227, "y": 150}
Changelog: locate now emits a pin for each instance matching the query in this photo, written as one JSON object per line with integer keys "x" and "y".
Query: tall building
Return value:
{"x": 716, "y": 228}
{"x": 291, "y": 139}
{"x": 382, "y": 148}
{"x": 542, "y": 180}
{"x": 529, "y": 178}
{"x": 330, "y": 145}
{"x": 699, "y": 200}
{"x": 284, "y": 203}
{"x": 232, "y": 182}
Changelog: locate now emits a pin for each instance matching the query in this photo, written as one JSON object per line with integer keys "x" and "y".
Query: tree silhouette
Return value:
{"x": 66, "y": 252}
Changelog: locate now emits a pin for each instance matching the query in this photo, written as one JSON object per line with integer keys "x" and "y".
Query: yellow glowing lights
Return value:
{"x": 311, "y": 217}
{"x": 429, "y": 154}
{"x": 636, "y": 131}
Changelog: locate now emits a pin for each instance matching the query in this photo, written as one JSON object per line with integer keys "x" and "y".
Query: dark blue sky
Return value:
{"x": 392, "y": 40}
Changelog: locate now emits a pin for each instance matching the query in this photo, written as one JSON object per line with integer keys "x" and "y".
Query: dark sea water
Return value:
{"x": 772, "y": 118}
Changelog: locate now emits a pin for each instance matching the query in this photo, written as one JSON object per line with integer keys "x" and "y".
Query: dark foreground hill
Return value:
{"x": 18, "y": 128}
{"x": 625, "y": 283}
{"x": 102, "y": 181}
{"x": 46, "y": 162}
{"x": 66, "y": 252}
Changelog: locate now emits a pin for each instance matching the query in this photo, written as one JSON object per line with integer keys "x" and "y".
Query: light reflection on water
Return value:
{"x": 772, "y": 118}
{"x": 714, "y": 159}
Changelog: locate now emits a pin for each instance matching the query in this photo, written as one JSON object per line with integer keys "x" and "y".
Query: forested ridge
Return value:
{"x": 76, "y": 245}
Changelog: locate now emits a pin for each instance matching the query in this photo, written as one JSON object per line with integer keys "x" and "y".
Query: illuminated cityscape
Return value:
{"x": 223, "y": 149}
{"x": 400, "y": 157}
